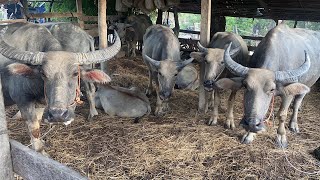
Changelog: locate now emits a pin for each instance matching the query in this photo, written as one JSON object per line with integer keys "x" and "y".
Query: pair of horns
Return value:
{"x": 36, "y": 58}
{"x": 280, "y": 76}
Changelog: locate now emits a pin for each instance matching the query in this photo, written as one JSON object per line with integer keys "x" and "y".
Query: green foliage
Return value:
{"x": 187, "y": 21}
{"x": 249, "y": 26}
{"x": 89, "y": 7}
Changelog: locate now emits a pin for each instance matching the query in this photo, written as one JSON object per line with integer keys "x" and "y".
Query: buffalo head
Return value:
{"x": 214, "y": 64}
{"x": 167, "y": 73}
{"x": 59, "y": 71}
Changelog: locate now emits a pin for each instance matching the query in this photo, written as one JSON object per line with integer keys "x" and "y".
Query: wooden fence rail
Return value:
{"x": 32, "y": 165}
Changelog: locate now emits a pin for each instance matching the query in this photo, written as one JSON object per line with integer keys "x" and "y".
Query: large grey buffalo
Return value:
{"x": 161, "y": 53}
{"x": 215, "y": 69}
{"x": 280, "y": 66}
{"x": 74, "y": 39}
{"x": 35, "y": 69}
{"x": 132, "y": 30}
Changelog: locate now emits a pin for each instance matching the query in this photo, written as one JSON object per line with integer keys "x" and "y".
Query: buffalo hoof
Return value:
{"x": 248, "y": 138}
{"x": 159, "y": 113}
{"x": 229, "y": 125}
{"x": 294, "y": 128}
{"x": 282, "y": 141}
{"x": 92, "y": 114}
{"x": 212, "y": 122}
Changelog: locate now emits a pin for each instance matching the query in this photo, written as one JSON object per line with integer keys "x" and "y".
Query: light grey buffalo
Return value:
{"x": 187, "y": 78}
{"x": 132, "y": 30}
{"x": 286, "y": 63}
{"x": 34, "y": 68}
{"x": 161, "y": 53}
{"x": 122, "y": 102}
{"x": 215, "y": 70}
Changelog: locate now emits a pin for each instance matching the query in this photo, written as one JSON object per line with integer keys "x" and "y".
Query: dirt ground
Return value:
{"x": 179, "y": 145}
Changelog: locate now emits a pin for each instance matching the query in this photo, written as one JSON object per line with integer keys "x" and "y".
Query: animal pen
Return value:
{"x": 178, "y": 145}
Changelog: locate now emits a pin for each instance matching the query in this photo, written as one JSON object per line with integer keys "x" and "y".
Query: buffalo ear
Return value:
{"x": 198, "y": 56}
{"x": 22, "y": 70}
{"x": 95, "y": 76}
{"x": 230, "y": 83}
{"x": 295, "y": 89}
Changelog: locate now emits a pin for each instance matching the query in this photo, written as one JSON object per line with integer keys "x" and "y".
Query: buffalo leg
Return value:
{"x": 133, "y": 48}
{"x": 282, "y": 115}
{"x": 28, "y": 113}
{"x": 128, "y": 49}
{"x": 159, "y": 104}
{"x": 214, "y": 117}
{"x": 293, "y": 126}
{"x": 230, "y": 118}
{"x": 90, "y": 92}
{"x": 149, "y": 88}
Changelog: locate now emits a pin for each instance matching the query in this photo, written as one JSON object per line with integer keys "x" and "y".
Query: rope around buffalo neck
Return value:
{"x": 271, "y": 109}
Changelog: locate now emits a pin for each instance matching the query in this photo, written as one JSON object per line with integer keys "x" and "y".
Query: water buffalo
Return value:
{"x": 132, "y": 31}
{"x": 74, "y": 39}
{"x": 122, "y": 102}
{"x": 280, "y": 66}
{"x": 161, "y": 53}
{"x": 35, "y": 69}
{"x": 215, "y": 69}
{"x": 187, "y": 78}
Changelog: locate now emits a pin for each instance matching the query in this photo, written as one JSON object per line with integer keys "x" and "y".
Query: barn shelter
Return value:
{"x": 167, "y": 148}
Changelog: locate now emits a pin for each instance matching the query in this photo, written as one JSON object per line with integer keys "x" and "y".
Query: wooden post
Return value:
{"x": 102, "y": 26}
{"x": 204, "y": 40}
{"x": 79, "y": 11}
{"x": 176, "y": 22}
{"x": 159, "y": 18}
{"x": 25, "y": 8}
{"x": 5, "y": 154}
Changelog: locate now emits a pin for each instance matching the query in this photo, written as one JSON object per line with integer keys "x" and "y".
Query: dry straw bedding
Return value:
{"x": 179, "y": 145}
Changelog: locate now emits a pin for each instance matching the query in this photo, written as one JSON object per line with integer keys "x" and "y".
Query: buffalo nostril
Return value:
{"x": 57, "y": 114}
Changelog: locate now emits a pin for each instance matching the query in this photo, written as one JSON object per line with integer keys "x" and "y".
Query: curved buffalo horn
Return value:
{"x": 201, "y": 48}
{"x": 184, "y": 63}
{"x": 152, "y": 61}
{"x": 100, "y": 55}
{"x": 289, "y": 74}
{"x": 27, "y": 57}
{"x": 234, "y": 67}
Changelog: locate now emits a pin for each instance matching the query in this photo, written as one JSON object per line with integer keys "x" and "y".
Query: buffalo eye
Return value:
{"x": 222, "y": 62}
{"x": 272, "y": 90}
{"x": 43, "y": 74}
{"x": 75, "y": 74}
{"x": 176, "y": 74}
{"x": 160, "y": 74}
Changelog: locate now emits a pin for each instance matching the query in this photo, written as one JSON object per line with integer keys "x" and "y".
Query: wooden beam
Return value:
{"x": 32, "y": 165}
{"x": 13, "y": 21}
{"x": 204, "y": 40}
{"x": 53, "y": 15}
{"x": 79, "y": 11}
{"x": 5, "y": 155}
{"x": 89, "y": 18}
{"x": 102, "y": 25}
